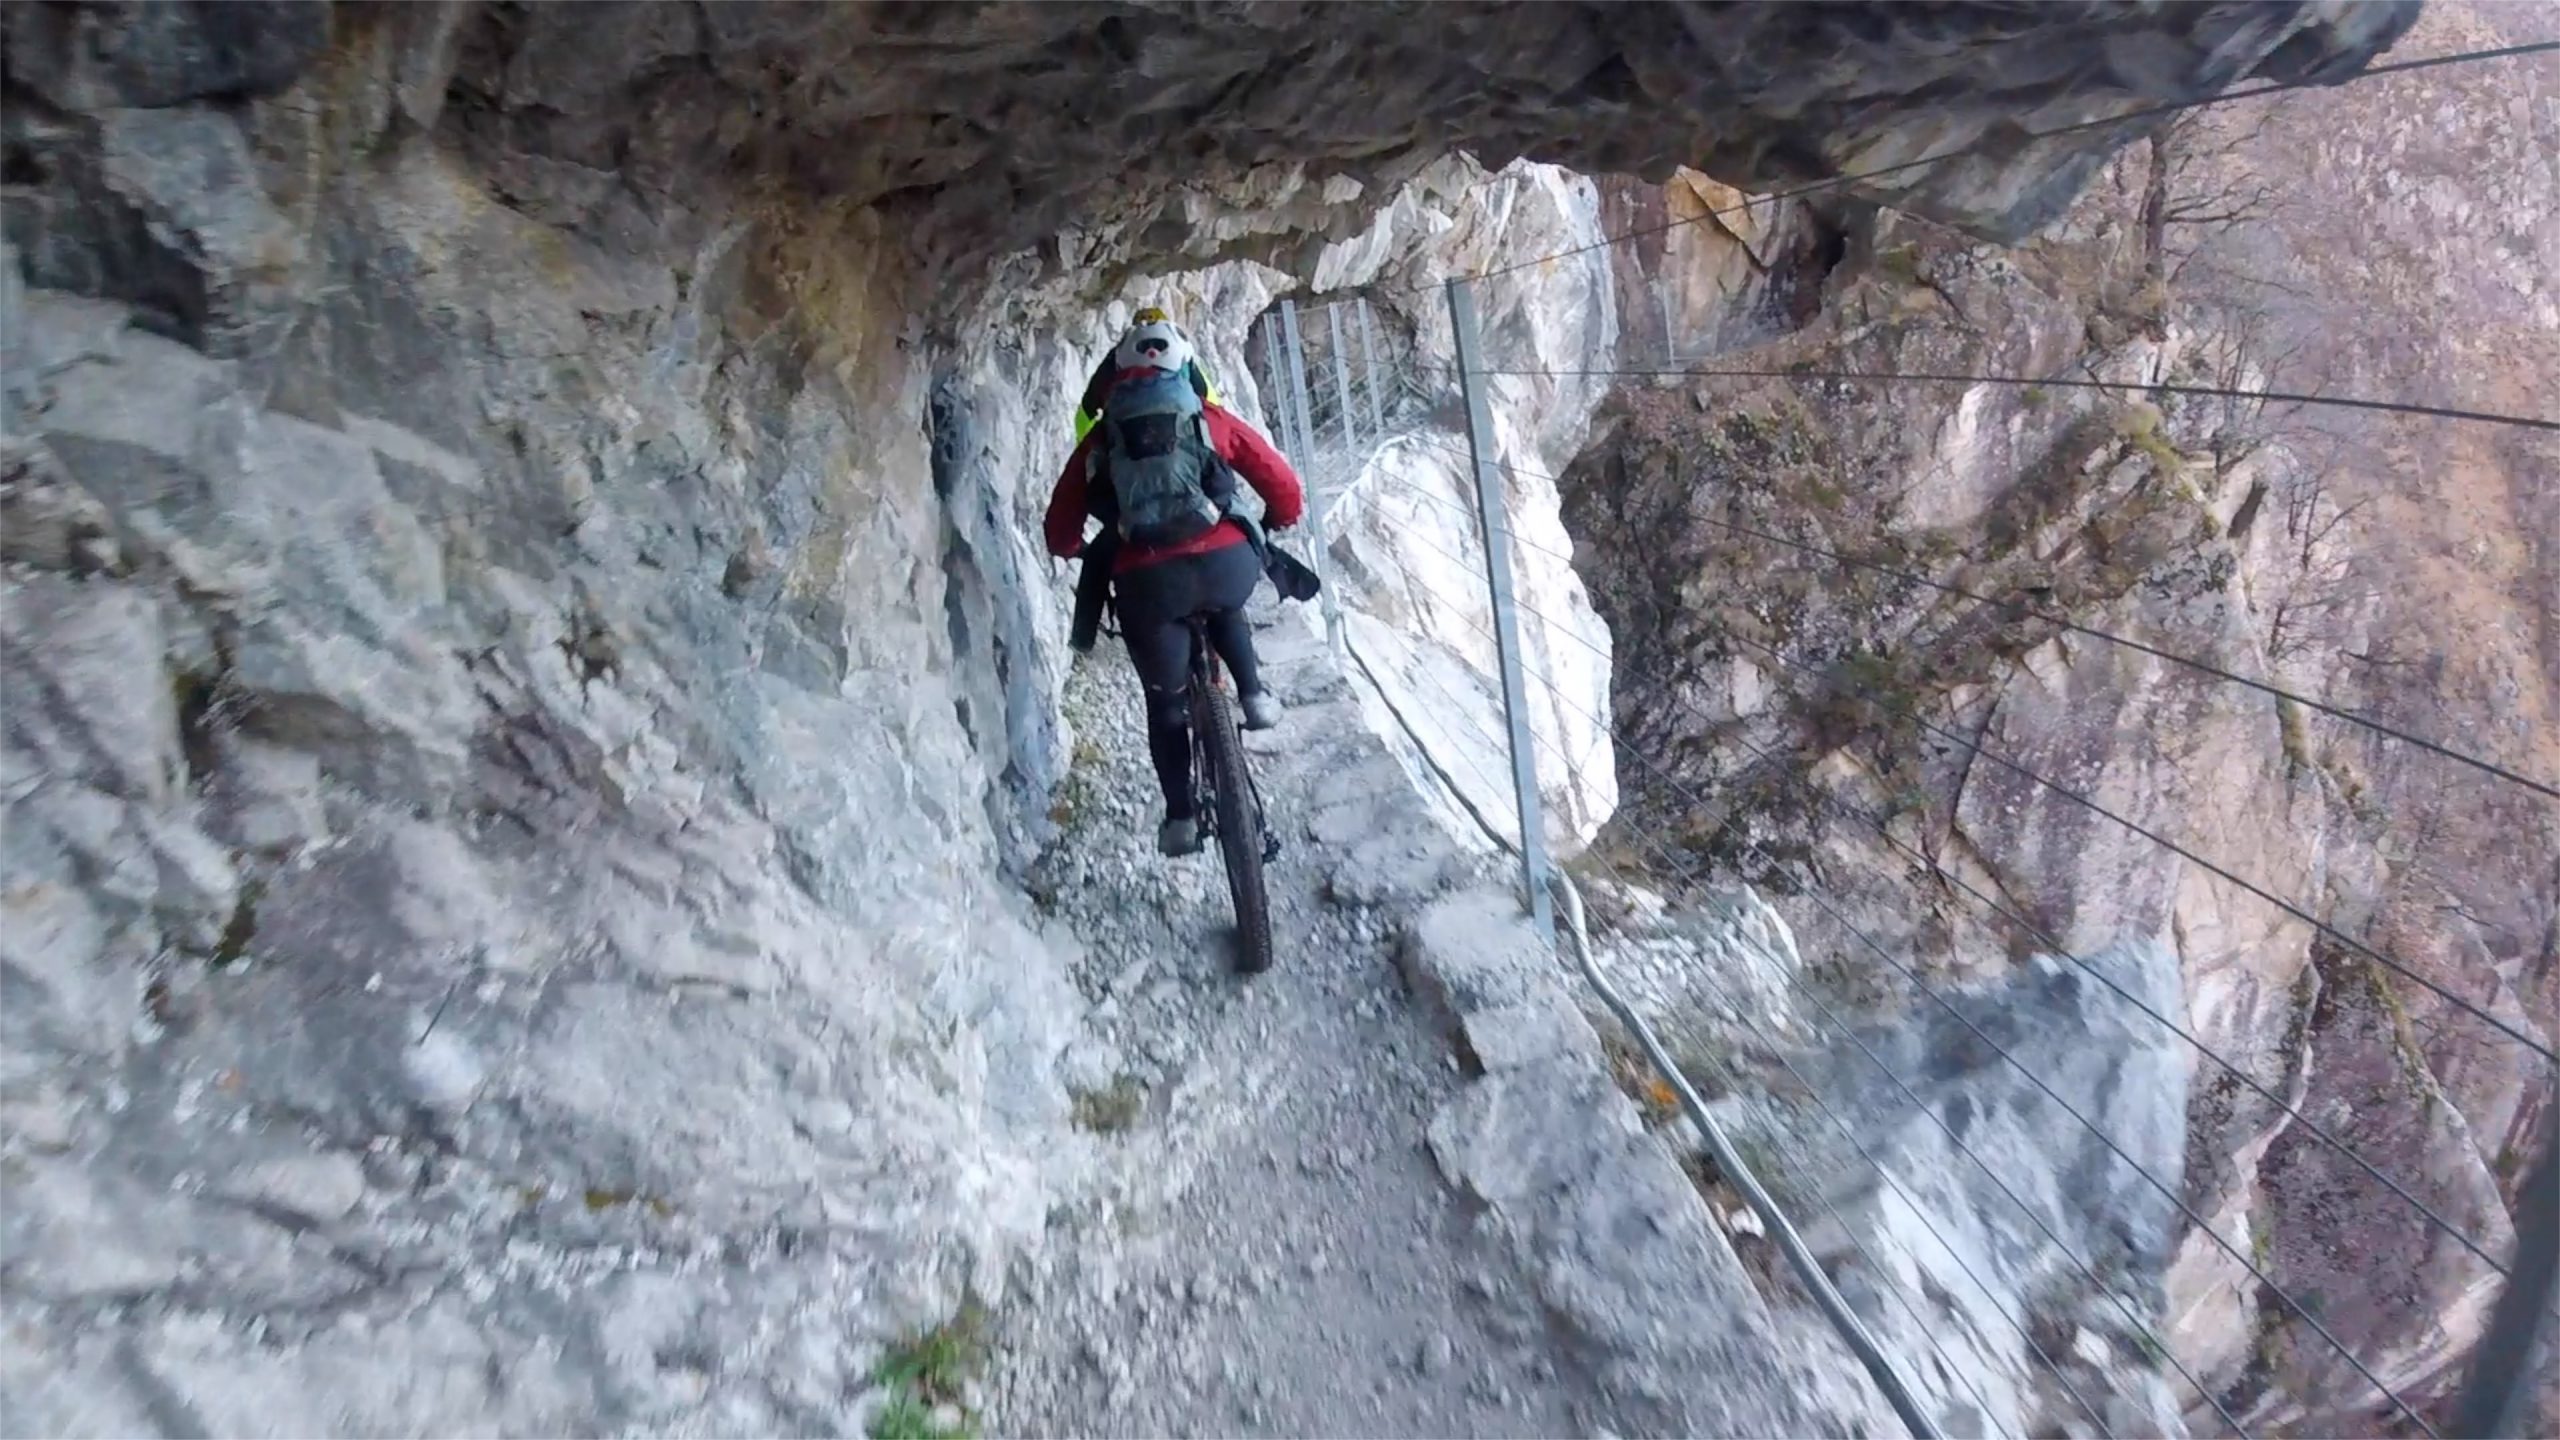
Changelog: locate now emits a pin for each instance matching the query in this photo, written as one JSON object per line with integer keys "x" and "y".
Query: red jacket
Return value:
{"x": 1239, "y": 444}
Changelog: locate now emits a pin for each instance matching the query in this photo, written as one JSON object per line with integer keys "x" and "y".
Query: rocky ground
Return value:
{"x": 1275, "y": 1252}
{"x": 1384, "y": 1189}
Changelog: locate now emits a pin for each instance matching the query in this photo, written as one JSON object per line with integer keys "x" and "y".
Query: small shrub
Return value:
{"x": 1084, "y": 769}
{"x": 930, "y": 1371}
{"x": 1111, "y": 1109}
{"x": 1786, "y": 1184}
{"x": 2293, "y": 734}
{"x": 1900, "y": 264}
{"x": 1865, "y": 694}
{"x": 2140, "y": 427}
{"x": 2510, "y": 1162}
{"x": 2404, "y": 1031}
{"x": 1636, "y": 1078}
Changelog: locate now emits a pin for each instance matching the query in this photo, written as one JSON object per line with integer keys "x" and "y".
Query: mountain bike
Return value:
{"x": 1230, "y": 804}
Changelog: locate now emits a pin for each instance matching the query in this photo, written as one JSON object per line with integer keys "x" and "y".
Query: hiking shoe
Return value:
{"x": 1178, "y": 835}
{"x": 1261, "y": 710}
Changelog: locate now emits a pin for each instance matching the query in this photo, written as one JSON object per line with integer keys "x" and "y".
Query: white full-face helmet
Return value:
{"x": 1156, "y": 344}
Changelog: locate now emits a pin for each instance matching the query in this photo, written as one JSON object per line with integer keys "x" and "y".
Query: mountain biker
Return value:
{"x": 1093, "y": 581}
{"x": 1179, "y": 551}
{"x": 1089, "y": 413}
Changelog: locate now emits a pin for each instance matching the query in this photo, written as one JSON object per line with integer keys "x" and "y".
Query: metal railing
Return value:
{"x": 1337, "y": 399}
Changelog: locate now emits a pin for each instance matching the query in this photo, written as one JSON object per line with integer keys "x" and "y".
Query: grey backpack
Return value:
{"x": 1156, "y": 453}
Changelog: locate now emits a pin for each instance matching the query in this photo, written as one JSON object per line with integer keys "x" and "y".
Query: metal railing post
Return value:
{"x": 1328, "y": 603}
{"x": 1275, "y": 405}
{"x": 1506, "y": 623}
{"x": 1342, "y": 379}
{"x": 1297, "y": 358}
{"x": 1809, "y": 1272}
{"x": 1369, "y": 354}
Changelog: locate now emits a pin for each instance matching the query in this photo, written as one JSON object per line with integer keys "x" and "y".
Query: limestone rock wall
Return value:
{"x": 498, "y": 841}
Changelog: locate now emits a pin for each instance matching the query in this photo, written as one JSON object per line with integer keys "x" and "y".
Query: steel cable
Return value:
{"x": 2065, "y": 1250}
{"x": 2285, "y": 1107}
{"x": 2130, "y": 117}
{"x": 2367, "y": 722}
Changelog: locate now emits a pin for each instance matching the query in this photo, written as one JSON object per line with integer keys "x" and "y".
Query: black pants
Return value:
{"x": 1154, "y": 602}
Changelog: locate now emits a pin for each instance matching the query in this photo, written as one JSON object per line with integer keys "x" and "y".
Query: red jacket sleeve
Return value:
{"x": 1064, "y": 525}
{"x": 1284, "y": 500}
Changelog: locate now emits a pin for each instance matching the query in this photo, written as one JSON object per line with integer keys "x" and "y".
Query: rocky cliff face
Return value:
{"x": 528, "y": 664}
{"x": 1403, "y": 537}
{"x": 1826, "y": 711}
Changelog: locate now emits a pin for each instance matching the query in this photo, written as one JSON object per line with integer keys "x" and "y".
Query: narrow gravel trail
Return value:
{"x": 1275, "y": 1251}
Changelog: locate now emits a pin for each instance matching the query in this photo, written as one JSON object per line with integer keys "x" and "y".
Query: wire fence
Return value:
{"x": 1362, "y": 385}
{"x": 1351, "y": 381}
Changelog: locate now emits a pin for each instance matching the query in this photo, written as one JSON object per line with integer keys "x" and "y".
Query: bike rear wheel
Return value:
{"x": 1239, "y": 822}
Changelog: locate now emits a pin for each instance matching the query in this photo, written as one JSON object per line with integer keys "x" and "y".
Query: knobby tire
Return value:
{"x": 1239, "y": 829}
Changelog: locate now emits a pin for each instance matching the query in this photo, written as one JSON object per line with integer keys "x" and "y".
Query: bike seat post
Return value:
{"x": 1204, "y": 656}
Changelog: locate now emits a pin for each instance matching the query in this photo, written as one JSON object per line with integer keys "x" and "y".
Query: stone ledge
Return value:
{"x": 1473, "y": 952}
{"x": 1505, "y": 1037}
{"x": 1619, "y": 1248}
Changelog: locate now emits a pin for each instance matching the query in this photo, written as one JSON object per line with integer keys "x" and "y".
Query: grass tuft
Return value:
{"x": 930, "y": 1371}
{"x": 936, "y": 1364}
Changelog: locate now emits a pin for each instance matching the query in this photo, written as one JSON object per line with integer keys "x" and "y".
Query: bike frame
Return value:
{"x": 1207, "y": 672}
